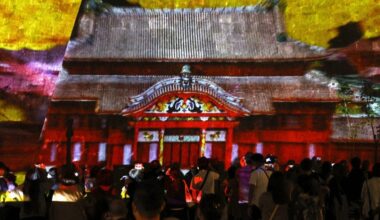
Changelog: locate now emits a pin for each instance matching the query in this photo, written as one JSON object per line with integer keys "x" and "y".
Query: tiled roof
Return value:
{"x": 352, "y": 129}
{"x": 247, "y": 34}
{"x": 113, "y": 92}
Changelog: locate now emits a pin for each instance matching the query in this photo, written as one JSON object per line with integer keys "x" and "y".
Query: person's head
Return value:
{"x": 248, "y": 158}
{"x": 203, "y": 163}
{"x": 306, "y": 165}
{"x": 257, "y": 159}
{"x": 376, "y": 170}
{"x": 355, "y": 163}
{"x": 118, "y": 210}
{"x": 309, "y": 185}
{"x": 34, "y": 177}
{"x": 194, "y": 170}
{"x": 148, "y": 201}
{"x": 68, "y": 175}
{"x": 175, "y": 171}
{"x": 35, "y": 174}
{"x": 3, "y": 185}
{"x": 155, "y": 166}
{"x": 326, "y": 169}
{"x": 53, "y": 172}
{"x": 11, "y": 177}
{"x": 278, "y": 186}
{"x": 211, "y": 207}
{"x": 236, "y": 162}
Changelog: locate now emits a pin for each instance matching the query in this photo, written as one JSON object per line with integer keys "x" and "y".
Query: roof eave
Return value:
{"x": 200, "y": 60}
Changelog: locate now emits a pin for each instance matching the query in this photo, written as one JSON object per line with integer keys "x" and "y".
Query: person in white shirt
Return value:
{"x": 204, "y": 174}
{"x": 258, "y": 181}
{"x": 371, "y": 194}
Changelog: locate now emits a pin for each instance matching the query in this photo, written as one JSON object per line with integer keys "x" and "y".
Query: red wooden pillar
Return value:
{"x": 229, "y": 140}
{"x": 117, "y": 154}
{"x": 135, "y": 143}
{"x": 109, "y": 157}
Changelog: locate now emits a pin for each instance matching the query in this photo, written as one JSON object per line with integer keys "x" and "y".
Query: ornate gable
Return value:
{"x": 184, "y": 105}
{"x": 185, "y": 96}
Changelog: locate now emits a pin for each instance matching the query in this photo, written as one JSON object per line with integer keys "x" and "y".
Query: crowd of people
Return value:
{"x": 254, "y": 187}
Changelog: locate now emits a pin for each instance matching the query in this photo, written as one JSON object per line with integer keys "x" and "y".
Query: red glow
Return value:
{"x": 197, "y": 180}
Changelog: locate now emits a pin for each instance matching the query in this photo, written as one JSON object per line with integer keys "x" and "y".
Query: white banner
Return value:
{"x": 215, "y": 136}
{"x": 148, "y": 136}
{"x": 181, "y": 138}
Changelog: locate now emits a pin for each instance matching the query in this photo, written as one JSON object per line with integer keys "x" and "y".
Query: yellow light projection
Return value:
{"x": 41, "y": 25}
{"x": 315, "y": 21}
{"x": 9, "y": 112}
{"x": 36, "y": 24}
{"x": 194, "y": 3}
{"x": 312, "y": 21}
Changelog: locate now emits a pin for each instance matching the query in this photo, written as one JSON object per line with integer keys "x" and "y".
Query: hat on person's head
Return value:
{"x": 68, "y": 175}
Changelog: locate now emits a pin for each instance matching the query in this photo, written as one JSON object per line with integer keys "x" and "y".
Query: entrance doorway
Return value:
{"x": 181, "y": 145}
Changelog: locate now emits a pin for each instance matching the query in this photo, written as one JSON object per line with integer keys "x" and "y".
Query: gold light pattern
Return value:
{"x": 9, "y": 112}
{"x": 203, "y": 142}
{"x": 36, "y": 24}
{"x": 315, "y": 21}
{"x": 41, "y": 25}
{"x": 161, "y": 153}
{"x": 312, "y": 21}
{"x": 178, "y": 104}
{"x": 194, "y": 3}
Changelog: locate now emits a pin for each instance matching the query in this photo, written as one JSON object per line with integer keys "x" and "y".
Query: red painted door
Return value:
{"x": 218, "y": 150}
{"x": 185, "y": 153}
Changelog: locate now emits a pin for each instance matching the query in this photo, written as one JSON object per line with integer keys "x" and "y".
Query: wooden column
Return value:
{"x": 229, "y": 140}
{"x": 109, "y": 154}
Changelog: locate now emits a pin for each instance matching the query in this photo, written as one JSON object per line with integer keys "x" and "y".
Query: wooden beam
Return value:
{"x": 184, "y": 124}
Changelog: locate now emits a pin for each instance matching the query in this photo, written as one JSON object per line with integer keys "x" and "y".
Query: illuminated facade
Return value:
{"x": 174, "y": 85}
